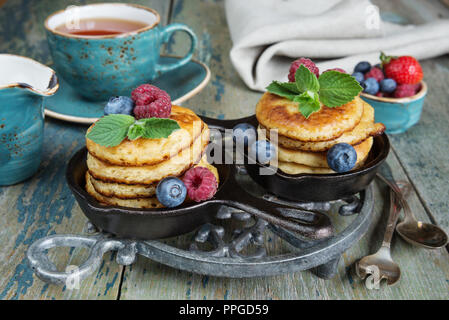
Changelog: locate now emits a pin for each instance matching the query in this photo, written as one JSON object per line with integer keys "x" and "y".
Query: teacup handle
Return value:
{"x": 166, "y": 34}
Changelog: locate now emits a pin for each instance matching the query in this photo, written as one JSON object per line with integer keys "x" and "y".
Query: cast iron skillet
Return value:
{"x": 312, "y": 187}
{"x": 164, "y": 223}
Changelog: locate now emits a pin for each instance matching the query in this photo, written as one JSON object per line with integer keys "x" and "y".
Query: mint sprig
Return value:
{"x": 111, "y": 130}
{"x": 332, "y": 88}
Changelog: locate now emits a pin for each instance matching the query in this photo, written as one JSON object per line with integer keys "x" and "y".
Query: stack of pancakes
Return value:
{"x": 127, "y": 175}
{"x": 303, "y": 143}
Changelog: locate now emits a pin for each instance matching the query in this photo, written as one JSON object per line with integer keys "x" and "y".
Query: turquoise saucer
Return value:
{"x": 181, "y": 84}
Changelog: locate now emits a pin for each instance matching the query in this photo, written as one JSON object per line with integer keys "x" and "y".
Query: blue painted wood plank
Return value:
{"x": 44, "y": 204}
{"x": 425, "y": 273}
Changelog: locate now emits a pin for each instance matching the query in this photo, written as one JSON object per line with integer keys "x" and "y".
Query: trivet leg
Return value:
{"x": 328, "y": 270}
{"x": 91, "y": 229}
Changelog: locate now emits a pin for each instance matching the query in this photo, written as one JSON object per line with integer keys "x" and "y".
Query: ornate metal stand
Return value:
{"x": 221, "y": 249}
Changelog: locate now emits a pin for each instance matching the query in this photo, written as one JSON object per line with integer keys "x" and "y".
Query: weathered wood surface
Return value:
{"x": 423, "y": 150}
{"x": 44, "y": 205}
{"x": 227, "y": 92}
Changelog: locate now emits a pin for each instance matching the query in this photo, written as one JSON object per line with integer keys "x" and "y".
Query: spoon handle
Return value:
{"x": 401, "y": 201}
{"x": 392, "y": 219}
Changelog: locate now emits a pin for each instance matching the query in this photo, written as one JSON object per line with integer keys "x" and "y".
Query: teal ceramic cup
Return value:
{"x": 23, "y": 85}
{"x": 99, "y": 67}
{"x": 398, "y": 114}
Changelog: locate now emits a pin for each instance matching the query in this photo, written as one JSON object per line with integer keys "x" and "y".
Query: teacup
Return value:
{"x": 99, "y": 67}
{"x": 23, "y": 85}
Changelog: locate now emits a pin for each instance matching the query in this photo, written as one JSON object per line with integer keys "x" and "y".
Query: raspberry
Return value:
{"x": 201, "y": 184}
{"x": 418, "y": 87}
{"x": 151, "y": 102}
{"x": 307, "y": 63}
{"x": 405, "y": 90}
{"x": 160, "y": 108}
{"x": 379, "y": 94}
{"x": 336, "y": 69}
{"x": 143, "y": 92}
{"x": 375, "y": 73}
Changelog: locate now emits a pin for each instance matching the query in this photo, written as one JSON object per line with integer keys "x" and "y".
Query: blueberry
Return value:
{"x": 342, "y": 157}
{"x": 363, "y": 67}
{"x": 119, "y": 105}
{"x": 371, "y": 86}
{"x": 358, "y": 76}
{"x": 171, "y": 192}
{"x": 264, "y": 151}
{"x": 388, "y": 85}
{"x": 244, "y": 132}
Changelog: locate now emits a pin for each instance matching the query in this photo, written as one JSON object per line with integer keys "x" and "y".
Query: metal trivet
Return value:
{"x": 235, "y": 246}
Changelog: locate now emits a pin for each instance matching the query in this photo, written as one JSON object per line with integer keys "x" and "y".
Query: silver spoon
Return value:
{"x": 380, "y": 265}
{"x": 416, "y": 232}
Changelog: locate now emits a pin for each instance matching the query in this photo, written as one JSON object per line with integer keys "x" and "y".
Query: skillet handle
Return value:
{"x": 309, "y": 224}
{"x": 228, "y": 124}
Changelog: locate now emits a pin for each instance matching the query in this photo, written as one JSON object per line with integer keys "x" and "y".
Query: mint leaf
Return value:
{"x": 136, "y": 131}
{"x": 290, "y": 86}
{"x": 337, "y": 89}
{"x": 306, "y": 80}
{"x": 332, "y": 89}
{"x": 111, "y": 130}
{"x": 158, "y": 128}
{"x": 280, "y": 89}
{"x": 308, "y": 103}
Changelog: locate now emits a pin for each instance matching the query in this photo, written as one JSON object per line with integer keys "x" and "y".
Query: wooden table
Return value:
{"x": 44, "y": 204}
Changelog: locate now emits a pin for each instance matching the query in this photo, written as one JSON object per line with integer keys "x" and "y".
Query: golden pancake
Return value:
{"x": 319, "y": 159}
{"x": 152, "y": 151}
{"x": 366, "y": 128}
{"x": 140, "y": 203}
{"x": 125, "y": 191}
{"x": 212, "y": 168}
{"x": 294, "y": 168}
{"x": 150, "y": 174}
{"x": 274, "y": 112}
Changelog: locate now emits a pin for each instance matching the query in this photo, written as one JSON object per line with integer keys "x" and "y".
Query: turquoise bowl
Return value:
{"x": 398, "y": 114}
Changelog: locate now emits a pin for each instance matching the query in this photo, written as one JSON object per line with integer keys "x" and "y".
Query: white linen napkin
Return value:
{"x": 269, "y": 34}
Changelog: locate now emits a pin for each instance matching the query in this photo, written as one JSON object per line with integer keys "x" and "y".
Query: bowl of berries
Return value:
{"x": 395, "y": 89}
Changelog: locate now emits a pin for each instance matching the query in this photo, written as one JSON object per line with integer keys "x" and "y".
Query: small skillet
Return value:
{"x": 313, "y": 187}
